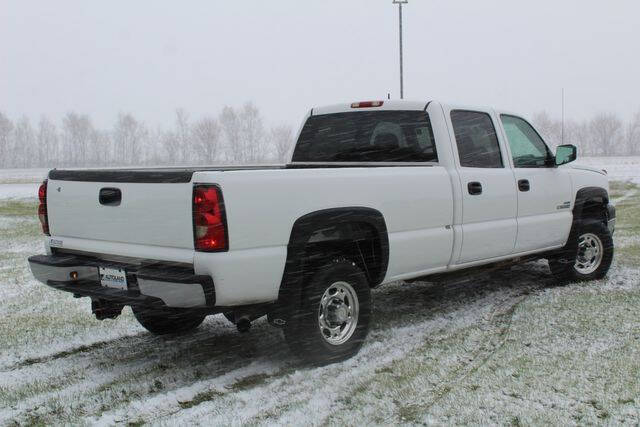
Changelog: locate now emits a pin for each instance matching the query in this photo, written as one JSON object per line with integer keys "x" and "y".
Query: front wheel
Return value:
{"x": 332, "y": 320}
{"x": 593, "y": 257}
{"x": 167, "y": 321}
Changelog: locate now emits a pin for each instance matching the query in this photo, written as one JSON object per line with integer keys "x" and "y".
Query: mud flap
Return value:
{"x": 104, "y": 309}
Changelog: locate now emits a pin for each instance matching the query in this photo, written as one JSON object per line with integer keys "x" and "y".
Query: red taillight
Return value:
{"x": 367, "y": 104}
{"x": 42, "y": 207}
{"x": 209, "y": 221}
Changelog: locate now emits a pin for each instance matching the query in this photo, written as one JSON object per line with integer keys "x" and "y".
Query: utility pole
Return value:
{"x": 400, "y": 3}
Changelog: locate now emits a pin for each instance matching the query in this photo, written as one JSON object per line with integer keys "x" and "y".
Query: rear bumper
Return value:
{"x": 154, "y": 285}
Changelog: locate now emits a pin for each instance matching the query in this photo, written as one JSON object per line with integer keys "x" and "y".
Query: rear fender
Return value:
{"x": 322, "y": 228}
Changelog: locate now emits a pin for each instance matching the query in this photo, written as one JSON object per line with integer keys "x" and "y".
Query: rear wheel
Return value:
{"x": 167, "y": 321}
{"x": 332, "y": 320}
{"x": 592, "y": 259}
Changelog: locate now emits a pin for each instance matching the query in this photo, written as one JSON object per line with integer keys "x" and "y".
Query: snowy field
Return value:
{"x": 20, "y": 183}
{"x": 508, "y": 347}
{"x": 23, "y": 183}
{"x": 618, "y": 168}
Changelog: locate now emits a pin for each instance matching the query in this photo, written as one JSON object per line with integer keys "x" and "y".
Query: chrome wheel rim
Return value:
{"x": 338, "y": 313}
{"x": 590, "y": 252}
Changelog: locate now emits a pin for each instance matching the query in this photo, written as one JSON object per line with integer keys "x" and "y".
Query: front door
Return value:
{"x": 544, "y": 190}
{"x": 489, "y": 200}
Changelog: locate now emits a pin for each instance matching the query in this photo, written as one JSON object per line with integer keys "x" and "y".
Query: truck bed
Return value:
{"x": 146, "y": 175}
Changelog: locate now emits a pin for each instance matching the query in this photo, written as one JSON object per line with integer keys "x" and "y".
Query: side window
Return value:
{"x": 527, "y": 147}
{"x": 476, "y": 139}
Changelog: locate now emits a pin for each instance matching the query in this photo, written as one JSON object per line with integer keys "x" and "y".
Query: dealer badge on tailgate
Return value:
{"x": 113, "y": 278}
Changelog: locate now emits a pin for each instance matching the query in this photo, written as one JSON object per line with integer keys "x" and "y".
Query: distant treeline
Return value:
{"x": 605, "y": 134}
{"x": 236, "y": 135}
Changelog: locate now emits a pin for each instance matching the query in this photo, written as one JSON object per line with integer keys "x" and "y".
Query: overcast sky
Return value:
{"x": 149, "y": 57}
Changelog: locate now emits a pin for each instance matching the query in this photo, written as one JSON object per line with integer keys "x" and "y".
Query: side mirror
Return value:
{"x": 565, "y": 154}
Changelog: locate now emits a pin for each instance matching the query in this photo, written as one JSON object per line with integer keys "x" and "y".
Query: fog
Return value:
{"x": 149, "y": 58}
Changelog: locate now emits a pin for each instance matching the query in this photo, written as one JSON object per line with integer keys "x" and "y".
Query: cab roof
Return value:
{"x": 386, "y": 104}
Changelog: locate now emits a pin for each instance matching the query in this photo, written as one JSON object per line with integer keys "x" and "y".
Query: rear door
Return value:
{"x": 489, "y": 199}
{"x": 544, "y": 190}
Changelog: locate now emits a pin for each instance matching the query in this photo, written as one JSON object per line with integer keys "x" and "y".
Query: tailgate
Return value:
{"x": 148, "y": 213}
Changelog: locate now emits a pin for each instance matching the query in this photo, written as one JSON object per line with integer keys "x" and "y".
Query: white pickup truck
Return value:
{"x": 375, "y": 192}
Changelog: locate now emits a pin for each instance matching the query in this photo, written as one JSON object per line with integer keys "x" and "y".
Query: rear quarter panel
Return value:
{"x": 262, "y": 206}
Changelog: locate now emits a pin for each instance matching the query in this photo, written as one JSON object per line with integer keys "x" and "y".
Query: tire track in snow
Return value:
{"x": 404, "y": 316}
{"x": 497, "y": 327}
{"x": 306, "y": 387}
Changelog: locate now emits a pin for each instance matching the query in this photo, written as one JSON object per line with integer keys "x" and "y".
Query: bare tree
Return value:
{"x": 155, "y": 150}
{"x": 6, "y": 131}
{"x": 632, "y": 135}
{"x": 24, "y": 143}
{"x": 77, "y": 131}
{"x": 231, "y": 127}
{"x": 171, "y": 146}
{"x": 605, "y": 131}
{"x": 128, "y": 137}
{"x": 47, "y": 142}
{"x": 577, "y": 133}
{"x": 183, "y": 135}
{"x": 206, "y": 139}
{"x": 102, "y": 150}
{"x": 252, "y": 139}
{"x": 281, "y": 138}
{"x": 236, "y": 135}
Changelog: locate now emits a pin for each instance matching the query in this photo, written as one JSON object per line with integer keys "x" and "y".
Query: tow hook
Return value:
{"x": 105, "y": 310}
{"x": 243, "y": 324}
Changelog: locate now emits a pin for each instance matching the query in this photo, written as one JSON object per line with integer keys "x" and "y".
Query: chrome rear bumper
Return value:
{"x": 156, "y": 285}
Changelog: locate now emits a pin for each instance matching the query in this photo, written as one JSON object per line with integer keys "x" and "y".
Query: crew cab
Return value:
{"x": 375, "y": 192}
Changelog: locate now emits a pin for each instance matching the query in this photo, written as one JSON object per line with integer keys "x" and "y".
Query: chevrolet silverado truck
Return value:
{"x": 375, "y": 192}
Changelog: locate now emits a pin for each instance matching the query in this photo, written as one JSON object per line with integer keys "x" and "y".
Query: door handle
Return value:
{"x": 110, "y": 196}
{"x": 523, "y": 185}
{"x": 474, "y": 188}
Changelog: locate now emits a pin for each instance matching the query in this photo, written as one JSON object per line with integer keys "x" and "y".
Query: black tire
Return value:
{"x": 567, "y": 270}
{"x": 167, "y": 321}
{"x": 303, "y": 331}
{"x": 230, "y": 317}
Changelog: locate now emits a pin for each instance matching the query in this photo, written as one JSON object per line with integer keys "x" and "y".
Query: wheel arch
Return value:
{"x": 590, "y": 203}
{"x": 334, "y": 231}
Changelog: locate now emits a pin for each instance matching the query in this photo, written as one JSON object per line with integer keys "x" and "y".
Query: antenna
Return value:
{"x": 562, "y": 137}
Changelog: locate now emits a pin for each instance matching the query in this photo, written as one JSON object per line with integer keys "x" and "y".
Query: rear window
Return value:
{"x": 368, "y": 136}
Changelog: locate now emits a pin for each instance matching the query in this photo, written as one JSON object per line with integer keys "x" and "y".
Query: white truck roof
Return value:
{"x": 386, "y": 105}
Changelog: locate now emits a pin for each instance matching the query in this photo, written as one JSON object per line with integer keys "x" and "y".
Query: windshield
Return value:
{"x": 370, "y": 136}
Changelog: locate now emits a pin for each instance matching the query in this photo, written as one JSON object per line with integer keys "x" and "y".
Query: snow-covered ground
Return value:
{"x": 22, "y": 175}
{"x": 503, "y": 348}
{"x": 18, "y": 191}
{"x": 20, "y": 183}
{"x": 618, "y": 168}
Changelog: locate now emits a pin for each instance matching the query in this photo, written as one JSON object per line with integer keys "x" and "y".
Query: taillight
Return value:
{"x": 42, "y": 207}
{"x": 367, "y": 104}
{"x": 209, "y": 220}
